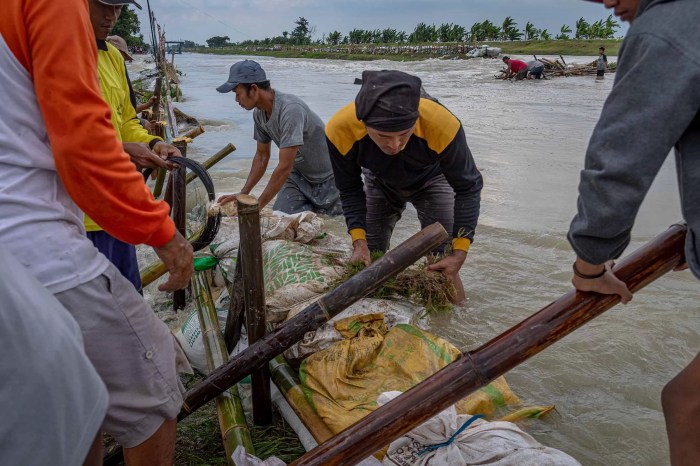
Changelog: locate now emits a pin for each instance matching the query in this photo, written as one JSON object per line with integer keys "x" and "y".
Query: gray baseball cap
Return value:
{"x": 120, "y": 2}
{"x": 243, "y": 72}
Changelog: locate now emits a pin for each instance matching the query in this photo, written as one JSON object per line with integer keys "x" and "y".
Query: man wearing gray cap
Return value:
{"x": 303, "y": 178}
{"x": 409, "y": 149}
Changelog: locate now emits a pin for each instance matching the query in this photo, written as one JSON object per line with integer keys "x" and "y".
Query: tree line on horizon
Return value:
{"x": 425, "y": 33}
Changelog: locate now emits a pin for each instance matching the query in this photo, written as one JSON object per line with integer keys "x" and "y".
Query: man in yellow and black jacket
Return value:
{"x": 409, "y": 149}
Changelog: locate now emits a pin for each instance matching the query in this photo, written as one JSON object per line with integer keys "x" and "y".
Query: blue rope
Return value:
{"x": 469, "y": 422}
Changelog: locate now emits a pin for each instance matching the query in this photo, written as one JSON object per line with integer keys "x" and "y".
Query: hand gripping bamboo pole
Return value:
{"x": 362, "y": 284}
{"x": 477, "y": 368}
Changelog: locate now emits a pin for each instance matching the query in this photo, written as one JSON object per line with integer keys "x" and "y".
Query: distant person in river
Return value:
{"x": 514, "y": 69}
{"x": 601, "y": 64}
{"x": 303, "y": 178}
{"x": 535, "y": 69}
{"x": 626, "y": 152}
{"x": 120, "y": 44}
{"x": 407, "y": 149}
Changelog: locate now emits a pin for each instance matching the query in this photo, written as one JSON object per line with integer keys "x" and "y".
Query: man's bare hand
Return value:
{"x": 143, "y": 157}
{"x": 608, "y": 283}
{"x": 177, "y": 255}
{"x": 450, "y": 267}
{"x": 227, "y": 198}
{"x": 165, "y": 151}
{"x": 360, "y": 252}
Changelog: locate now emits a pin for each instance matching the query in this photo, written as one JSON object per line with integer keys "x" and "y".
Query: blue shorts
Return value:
{"x": 119, "y": 253}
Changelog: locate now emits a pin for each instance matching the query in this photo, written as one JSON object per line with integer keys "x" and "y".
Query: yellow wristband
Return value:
{"x": 358, "y": 233}
{"x": 461, "y": 244}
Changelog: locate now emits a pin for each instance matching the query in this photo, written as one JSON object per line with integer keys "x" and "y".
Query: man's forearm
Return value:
{"x": 277, "y": 180}
{"x": 257, "y": 170}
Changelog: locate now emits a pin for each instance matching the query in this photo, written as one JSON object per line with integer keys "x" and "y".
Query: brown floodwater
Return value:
{"x": 528, "y": 140}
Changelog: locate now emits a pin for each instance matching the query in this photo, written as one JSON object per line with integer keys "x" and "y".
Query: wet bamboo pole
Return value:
{"x": 234, "y": 430}
{"x": 152, "y": 272}
{"x": 286, "y": 380}
{"x": 179, "y": 211}
{"x": 160, "y": 180}
{"x": 214, "y": 159}
{"x": 194, "y": 132}
{"x": 234, "y": 319}
{"x": 477, "y": 368}
{"x": 254, "y": 299}
{"x": 313, "y": 316}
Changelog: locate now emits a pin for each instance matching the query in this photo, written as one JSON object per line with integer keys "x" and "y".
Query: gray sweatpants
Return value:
{"x": 434, "y": 202}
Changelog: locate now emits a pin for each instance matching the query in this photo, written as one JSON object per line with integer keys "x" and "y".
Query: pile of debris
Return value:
{"x": 560, "y": 68}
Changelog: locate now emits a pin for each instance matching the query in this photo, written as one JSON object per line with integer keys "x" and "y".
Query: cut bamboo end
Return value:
{"x": 247, "y": 200}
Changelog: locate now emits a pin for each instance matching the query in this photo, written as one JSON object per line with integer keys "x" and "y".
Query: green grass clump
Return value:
{"x": 429, "y": 289}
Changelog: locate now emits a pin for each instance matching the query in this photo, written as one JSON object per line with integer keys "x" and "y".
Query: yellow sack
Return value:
{"x": 343, "y": 382}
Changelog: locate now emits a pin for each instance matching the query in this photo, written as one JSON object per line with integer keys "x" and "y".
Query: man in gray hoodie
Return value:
{"x": 653, "y": 107}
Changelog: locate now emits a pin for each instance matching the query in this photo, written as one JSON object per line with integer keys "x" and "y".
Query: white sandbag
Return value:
{"x": 241, "y": 458}
{"x": 482, "y": 442}
{"x": 302, "y": 227}
{"x": 189, "y": 336}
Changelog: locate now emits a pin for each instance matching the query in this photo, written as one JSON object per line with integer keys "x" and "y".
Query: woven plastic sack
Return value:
{"x": 343, "y": 382}
{"x": 450, "y": 439}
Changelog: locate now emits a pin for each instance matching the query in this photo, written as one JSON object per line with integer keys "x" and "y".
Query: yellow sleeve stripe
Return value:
{"x": 358, "y": 233}
{"x": 461, "y": 244}
{"x": 436, "y": 125}
{"x": 344, "y": 129}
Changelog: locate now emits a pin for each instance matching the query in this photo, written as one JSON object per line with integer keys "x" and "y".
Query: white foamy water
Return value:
{"x": 528, "y": 140}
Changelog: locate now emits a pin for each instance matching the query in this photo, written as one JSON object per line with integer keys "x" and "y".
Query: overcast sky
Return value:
{"x": 199, "y": 20}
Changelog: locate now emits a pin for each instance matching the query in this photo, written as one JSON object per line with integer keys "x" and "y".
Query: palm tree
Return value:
{"x": 531, "y": 32}
{"x": 597, "y": 30}
{"x": 564, "y": 33}
{"x": 545, "y": 35}
{"x": 334, "y": 38}
{"x": 389, "y": 36}
{"x": 582, "y": 28}
{"x": 510, "y": 30}
{"x": 610, "y": 26}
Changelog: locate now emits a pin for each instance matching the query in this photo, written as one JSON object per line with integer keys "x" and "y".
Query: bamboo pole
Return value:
{"x": 179, "y": 211}
{"x": 214, "y": 159}
{"x": 286, "y": 380}
{"x": 194, "y": 132}
{"x": 254, "y": 299}
{"x": 234, "y": 319}
{"x": 477, "y": 368}
{"x": 152, "y": 272}
{"x": 313, "y": 316}
{"x": 160, "y": 180}
{"x": 234, "y": 430}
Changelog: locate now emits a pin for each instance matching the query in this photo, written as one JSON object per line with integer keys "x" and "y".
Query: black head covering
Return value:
{"x": 388, "y": 100}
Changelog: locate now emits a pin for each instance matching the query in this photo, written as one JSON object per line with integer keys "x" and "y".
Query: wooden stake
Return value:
{"x": 254, "y": 299}
{"x": 477, "y": 368}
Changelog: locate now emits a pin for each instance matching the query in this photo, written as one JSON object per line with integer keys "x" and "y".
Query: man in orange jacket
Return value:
{"x": 59, "y": 154}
